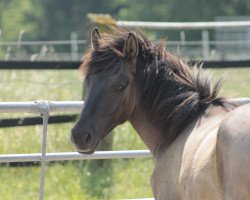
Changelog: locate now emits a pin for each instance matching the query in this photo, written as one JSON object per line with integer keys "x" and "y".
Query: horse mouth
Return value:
{"x": 88, "y": 151}
{"x": 91, "y": 149}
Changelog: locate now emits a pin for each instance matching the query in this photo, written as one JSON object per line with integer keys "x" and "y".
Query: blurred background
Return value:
{"x": 33, "y": 32}
{"x": 65, "y": 26}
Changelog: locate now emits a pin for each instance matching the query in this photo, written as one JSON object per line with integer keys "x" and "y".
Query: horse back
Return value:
{"x": 232, "y": 150}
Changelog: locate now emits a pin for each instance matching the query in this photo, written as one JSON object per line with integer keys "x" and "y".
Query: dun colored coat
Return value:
{"x": 200, "y": 142}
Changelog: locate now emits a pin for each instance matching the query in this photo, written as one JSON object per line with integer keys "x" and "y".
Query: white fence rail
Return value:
{"x": 231, "y": 49}
{"x": 183, "y": 25}
{"x": 44, "y": 108}
{"x": 31, "y": 43}
{"x": 214, "y": 50}
{"x": 36, "y": 157}
{"x": 39, "y": 106}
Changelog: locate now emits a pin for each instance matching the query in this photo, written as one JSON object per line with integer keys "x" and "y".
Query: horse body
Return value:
{"x": 186, "y": 170}
{"x": 200, "y": 142}
{"x": 192, "y": 167}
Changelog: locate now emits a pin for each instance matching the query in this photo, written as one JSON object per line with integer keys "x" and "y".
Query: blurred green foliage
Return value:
{"x": 49, "y": 20}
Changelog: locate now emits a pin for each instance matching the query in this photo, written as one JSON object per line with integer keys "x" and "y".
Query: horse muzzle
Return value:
{"x": 84, "y": 142}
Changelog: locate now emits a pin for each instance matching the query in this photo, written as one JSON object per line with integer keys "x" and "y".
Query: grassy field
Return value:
{"x": 125, "y": 178}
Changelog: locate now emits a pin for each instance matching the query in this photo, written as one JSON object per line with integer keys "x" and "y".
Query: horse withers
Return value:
{"x": 200, "y": 142}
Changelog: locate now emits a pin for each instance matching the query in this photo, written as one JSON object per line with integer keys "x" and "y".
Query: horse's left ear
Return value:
{"x": 131, "y": 47}
{"x": 95, "y": 36}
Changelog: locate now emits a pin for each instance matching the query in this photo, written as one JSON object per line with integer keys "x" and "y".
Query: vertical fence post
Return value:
{"x": 74, "y": 47}
{"x": 44, "y": 111}
{"x": 19, "y": 39}
{"x": 182, "y": 46}
{"x": 183, "y": 37}
{"x": 205, "y": 44}
{"x": 7, "y": 55}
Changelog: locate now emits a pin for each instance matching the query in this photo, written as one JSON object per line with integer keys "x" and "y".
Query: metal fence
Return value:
{"x": 200, "y": 49}
{"x": 206, "y": 48}
{"x": 183, "y": 25}
{"x": 44, "y": 108}
{"x": 221, "y": 49}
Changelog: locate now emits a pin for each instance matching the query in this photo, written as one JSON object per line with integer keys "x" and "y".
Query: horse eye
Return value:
{"x": 120, "y": 87}
{"x": 122, "y": 83}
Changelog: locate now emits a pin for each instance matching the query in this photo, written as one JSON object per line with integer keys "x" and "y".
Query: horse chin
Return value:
{"x": 88, "y": 152}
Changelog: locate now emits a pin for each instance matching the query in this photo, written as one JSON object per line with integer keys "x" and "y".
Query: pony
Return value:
{"x": 200, "y": 142}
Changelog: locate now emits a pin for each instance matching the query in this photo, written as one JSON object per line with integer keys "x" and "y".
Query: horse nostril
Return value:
{"x": 88, "y": 138}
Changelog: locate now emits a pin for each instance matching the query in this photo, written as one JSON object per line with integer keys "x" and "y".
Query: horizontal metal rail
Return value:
{"x": 169, "y": 42}
{"x": 36, "y": 106}
{"x": 183, "y": 25}
{"x": 37, "y": 157}
{"x": 56, "y": 42}
{"x": 211, "y": 42}
{"x": 59, "y": 106}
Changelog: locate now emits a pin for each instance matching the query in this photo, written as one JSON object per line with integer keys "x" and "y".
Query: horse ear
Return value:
{"x": 131, "y": 47}
{"x": 95, "y": 36}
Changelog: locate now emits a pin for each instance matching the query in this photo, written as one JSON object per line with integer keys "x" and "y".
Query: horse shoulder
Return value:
{"x": 232, "y": 150}
{"x": 188, "y": 164}
{"x": 187, "y": 169}
{"x": 164, "y": 180}
{"x": 198, "y": 175}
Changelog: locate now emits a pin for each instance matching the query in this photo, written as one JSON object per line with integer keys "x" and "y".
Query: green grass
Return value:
{"x": 117, "y": 179}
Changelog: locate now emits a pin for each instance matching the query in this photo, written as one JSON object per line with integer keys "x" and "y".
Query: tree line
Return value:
{"x": 54, "y": 20}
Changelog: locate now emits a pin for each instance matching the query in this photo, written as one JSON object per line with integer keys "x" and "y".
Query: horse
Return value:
{"x": 200, "y": 142}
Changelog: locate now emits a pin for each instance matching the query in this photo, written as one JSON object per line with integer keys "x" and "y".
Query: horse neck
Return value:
{"x": 151, "y": 135}
{"x": 150, "y": 132}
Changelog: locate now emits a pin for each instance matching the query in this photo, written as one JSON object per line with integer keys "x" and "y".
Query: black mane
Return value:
{"x": 175, "y": 93}
{"x": 172, "y": 92}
